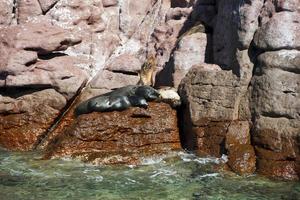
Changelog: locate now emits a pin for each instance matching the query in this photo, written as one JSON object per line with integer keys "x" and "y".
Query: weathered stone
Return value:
{"x": 41, "y": 37}
{"x": 47, "y": 4}
{"x": 28, "y": 9}
{"x": 107, "y": 3}
{"x": 287, "y": 60}
{"x": 50, "y": 73}
{"x": 119, "y": 137}
{"x": 125, "y": 63}
{"x": 25, "y": 120}
{"x": 238, "y": 133}
{"x": 270, "y": 84}
{"x": 6, "y": 12}
{"x": 287, "y": 5}
{"x": 110, "y": 80}
{"x": 20, "y": 45}
{"x": 212, "y": 94}
{"x": 235, "y": 26}
{"x": 132, "y": 14}
{"x": 241, "y": 159}
{"x": 191, "y": 51}
{"x": 278, "y": 169}
{"x": 280, "y": 32}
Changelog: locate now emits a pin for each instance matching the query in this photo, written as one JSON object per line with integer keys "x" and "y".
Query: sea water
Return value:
{"x": 179, "y": 176}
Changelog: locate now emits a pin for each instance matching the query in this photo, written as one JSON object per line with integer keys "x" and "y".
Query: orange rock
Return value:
{"x": 119, "y": 137}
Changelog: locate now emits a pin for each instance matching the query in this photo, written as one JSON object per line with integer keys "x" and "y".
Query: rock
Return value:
{"x": 25, "y": 120}
{"x": 107, "y": 3}
{"x": 47, "y": 4}
{"x": 274, "y": 83}
{"x": 119, "y": 137}
{"x": 109, "y": 80}
{"x": 287, "y": 60}
{"x": 20, "y": 45}
{"x": 132, "y": 14}
{"x": 28, "y": 9}
{"x": 280, "y": 32}
{"x": 238, "y": 133}
{"x": 210, "y": 94}
{"x": 235, "y": 26}
{"x": 267, "y": 11}
{"x": 125, "y": 63}
{"x": 42, "y": 37}
{"x": 241, "y": 159}
{"x": 284, "y": 170}
{"x": 6, "y": 12}
{"x": 191, "y": 51}
{"x": 249, "y": 13}
{"x": 287, "y": 5}
{"x": 204, "y": 13}
{"x": 275, "y": 114}
{"x": 67, "y": 79}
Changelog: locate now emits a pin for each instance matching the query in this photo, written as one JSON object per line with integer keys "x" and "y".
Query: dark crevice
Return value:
{"x": 3, "y": 75}
{"x": 15, "y": 92}
{"x": 125, "y": 72}
{"x": 276, "y": 115}
{"x": 51, "y": 55}
{"x": 58, "y": 119}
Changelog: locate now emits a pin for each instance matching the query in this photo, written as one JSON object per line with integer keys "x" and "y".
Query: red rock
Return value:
{"x": 28, "y": 9}
{"x": 238, "y": 133}
{"x": 25, "y": 121}
{"x": 241, "y": 159}
{"x": 119, "y": 137}
{"x": 286, "y": 170}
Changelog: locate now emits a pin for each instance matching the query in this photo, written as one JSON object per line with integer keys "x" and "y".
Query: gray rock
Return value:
{"x": 6, "y": 12}
{"x": 282, "y": 31}
{"x": 191, "y": 51}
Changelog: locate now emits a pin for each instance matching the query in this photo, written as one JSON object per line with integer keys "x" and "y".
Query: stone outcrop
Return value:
{"x": 124, "y": 137}
{"x": 236, "y": 64}
{"x": 261, "y": 36}
{"x": 212, "y": 123}
{"x": 35, "y": 84}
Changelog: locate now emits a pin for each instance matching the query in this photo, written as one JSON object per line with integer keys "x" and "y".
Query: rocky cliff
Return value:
{"x": 235, "y": 63}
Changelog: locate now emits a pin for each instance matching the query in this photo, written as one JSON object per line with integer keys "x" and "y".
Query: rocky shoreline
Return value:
{"x": 235, "y": 65}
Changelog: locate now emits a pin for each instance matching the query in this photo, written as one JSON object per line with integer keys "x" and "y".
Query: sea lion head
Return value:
{"x": 148, "y": 92}
{"x": 138, "y": 101}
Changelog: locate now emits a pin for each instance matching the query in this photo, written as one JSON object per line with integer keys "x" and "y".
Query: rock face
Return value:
{"x": 222, "y": 112}
{"x": 119, "y": 137}
{"x": 35, "y": 85}
{"x": 212, "y": 122}
{"x": 236, "y": 64}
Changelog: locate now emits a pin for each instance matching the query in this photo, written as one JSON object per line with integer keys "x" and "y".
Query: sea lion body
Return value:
{"x": 119, "y": 99}
{"x": 147, "y": 72}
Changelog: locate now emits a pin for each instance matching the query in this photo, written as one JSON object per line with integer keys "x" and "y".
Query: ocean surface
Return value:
{"x": 178, "y": 176}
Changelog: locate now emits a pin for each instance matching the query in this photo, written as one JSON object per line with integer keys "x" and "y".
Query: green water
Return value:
{"x": 180, "y": 176}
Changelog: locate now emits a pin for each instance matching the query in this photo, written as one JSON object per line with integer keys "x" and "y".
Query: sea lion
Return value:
{"x": 147, "y": 72}
{"x": 119, "y": 99}
{"x": 148, "y": 92}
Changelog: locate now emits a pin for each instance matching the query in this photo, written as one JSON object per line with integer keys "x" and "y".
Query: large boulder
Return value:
{"x": 275, "y": 107}
{"x": 124, "y": 137}
{"x": 212, "y": 122}
{"x": 192, "y": 50}
{"x": 282, "y": 31}
{"x": 36, "y": 82}
{"x": 25, "y": 120}
{"x": 6, "y": 12}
